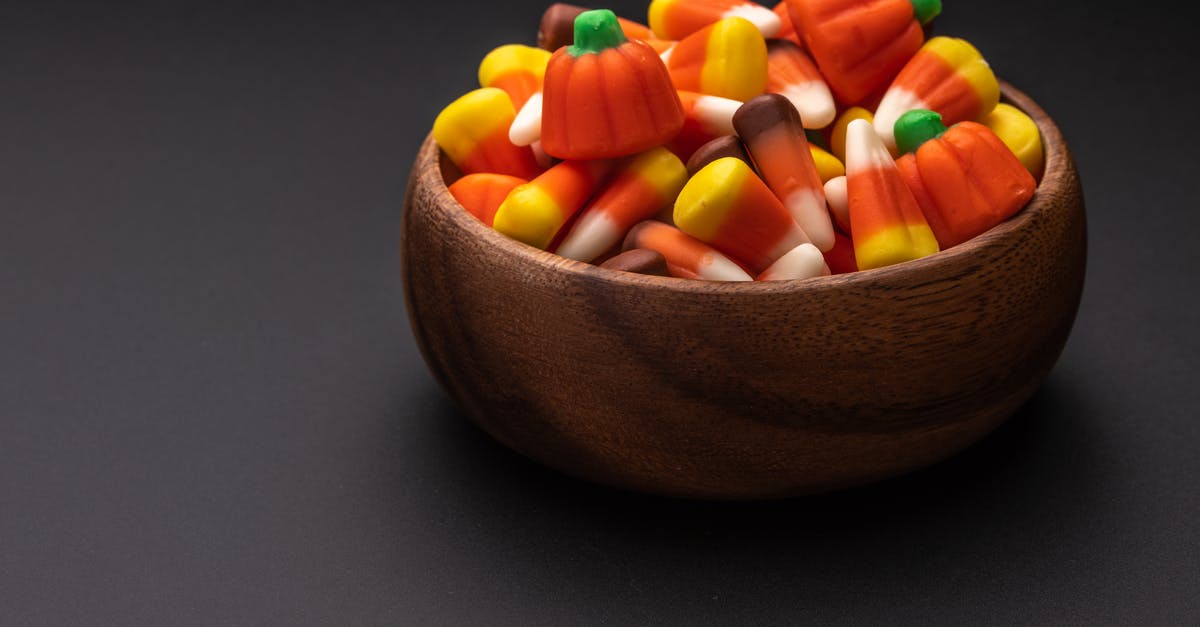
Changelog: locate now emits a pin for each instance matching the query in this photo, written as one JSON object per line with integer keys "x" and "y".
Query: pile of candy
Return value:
{"x": 730, "y": 142}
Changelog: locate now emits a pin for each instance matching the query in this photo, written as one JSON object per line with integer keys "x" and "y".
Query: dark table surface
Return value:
{"x": 212, "y": 410}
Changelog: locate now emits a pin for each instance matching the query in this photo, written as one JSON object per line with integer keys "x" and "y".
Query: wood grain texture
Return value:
{"x": 743, "y": 391}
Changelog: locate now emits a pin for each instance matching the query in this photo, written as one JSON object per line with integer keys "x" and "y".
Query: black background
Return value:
{"x": 212, "y": 410}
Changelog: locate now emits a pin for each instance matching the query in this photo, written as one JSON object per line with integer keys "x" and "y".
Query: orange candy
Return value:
{"x": 687, "y": 257}
{"x": 966, "y": 181}
{"x": 482, "y": 193}
{"x": 859, "y": 45}
{"x": 606, "y": 96}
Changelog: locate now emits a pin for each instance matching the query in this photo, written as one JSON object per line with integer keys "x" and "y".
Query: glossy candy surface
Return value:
{"x": 535, "y": 212}
{"x": 481, "y": 193}
{"x": 643, "y": 186}
{"x": 557, "y": 28}
{"x": 947, "y": 75}
{"x": 705, "y": 119}
{"x": 687, "y": 257}
{"x": 605, "y": 95}
{"x": 774, "y": 136}
{"x": 964, "y": 178}
{"x": 676, "y": 19}
{"x": 516, "y": 69}
{"x": 886, "y": 223}
{"x": 859, "y": 45}
{"x": 1020, "y": 133}
{"x": 473, "y": 132}
{"x": 802, "y": 262}
{"x": 791, "y": 73}
{"x": 727, "y": 59}
{"x": 727, "y": 206}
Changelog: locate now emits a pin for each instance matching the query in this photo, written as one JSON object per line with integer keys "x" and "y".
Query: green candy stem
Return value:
{"x": 926, "y": 10}
{"x": 917, "y": 127}
{"x": 595, "y": 32}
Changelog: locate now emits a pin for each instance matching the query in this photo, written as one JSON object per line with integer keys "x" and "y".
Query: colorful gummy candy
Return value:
{"x": 726, "y": 141}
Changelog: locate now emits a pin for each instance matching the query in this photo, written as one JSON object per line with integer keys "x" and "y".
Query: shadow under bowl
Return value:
{"x": 743, "y": 390}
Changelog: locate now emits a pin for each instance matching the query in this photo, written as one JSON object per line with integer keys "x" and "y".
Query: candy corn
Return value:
{"x": 605, "y": 95}
{"x": 676, "y": 19}
{"x": 557, "y": 28}
{"x": 859, "y": 45}
{"x": 516, "y": 69}
{"x": 526, "y": 127}
{"x": 836, "y": 196}
{"x": 837, "y": 136}
{"x": 964, "y": 178}
{"x": 787, "y": 30}
{"x": 1020, "y": 133}
{"x": 639, "y": 261}
{"x": 482, "y": 193}
{"x": 886, "y": 224}
{"x": 791, "y": 73}
{"x": 771, "y": 129}
{"x": 473, "y": 132}
{"x": 705, "y": 118}
{"x": 534, "y": 212}
{"x": 727, "y": 206}
{"x": 828, "y": 165}
{"x": 727, "y": 59}
{"x": 687, "y": 257}
{"x": 719, "y": 148}
{"x": 948, "y": 76}
{"x": 637, "y": 191}
{"x": 802, "y": 262}
{"x": 840, "y": 258}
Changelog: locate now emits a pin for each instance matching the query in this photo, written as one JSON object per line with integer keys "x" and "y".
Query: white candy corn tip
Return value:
{"x": 814, "y": 101}
{"x": 763, "y": 18}
{"x": 838, "y": 198}
{"x": 807, "y": 207}
{"x": 527, "y": 126}
{"x": 802, "y": 262}
{"x": 718, "y": 267}
{"x": 716, "y": 114}
{"x": 865, "y": 150}
{"x": 592, "y": 234}
{"x": 666, "y": 55}
{"x": 895, "y": 103}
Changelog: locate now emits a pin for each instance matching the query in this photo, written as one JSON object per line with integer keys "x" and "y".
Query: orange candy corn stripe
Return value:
{"x": 536, "y": 211}
{"x": 727, "y": 206}
{"x": 859, "y": 45}
{"x": 687, "y": 257}
{"x": 676, "y": 19}
{"x": 641, "y": 188}
{"x": 886, "y": 223}
{"x": 481, "y": 194}
{"x": 473, "y": 132}
{"x": 727, "y": 59}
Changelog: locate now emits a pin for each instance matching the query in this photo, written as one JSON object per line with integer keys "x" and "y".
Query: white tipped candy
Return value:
{"x": 839, "y": 201}
{"x": 865, "y": 150}
{"x": 895, "y": 103}
{"x": 591, "y": 236}
{"x": 716, "y": 114}
{"x": 527, "y": 126}
{"x": 814, "y": 102}
{"x": 802, "y": 262}
{"x": 764, "y": 19}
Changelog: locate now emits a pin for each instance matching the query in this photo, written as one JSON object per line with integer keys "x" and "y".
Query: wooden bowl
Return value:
{"x": 743, "y": 390}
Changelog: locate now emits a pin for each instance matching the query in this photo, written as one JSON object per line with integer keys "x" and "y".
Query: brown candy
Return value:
{"x": 558, "y": 26}
{"x": 724, "y": 146}
{"x": 639, "y": 261}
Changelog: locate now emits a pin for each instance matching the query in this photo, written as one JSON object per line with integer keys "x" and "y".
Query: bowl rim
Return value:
{"x": 427, "y": 166}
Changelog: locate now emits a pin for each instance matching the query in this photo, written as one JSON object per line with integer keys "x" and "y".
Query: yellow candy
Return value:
{"x": 1019, "y": 132}
{"x": 837, "y": 139}
{"x": 828, "y": 166}
{"x": 516, "y": 69}
{"x": 726, "y": 59}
